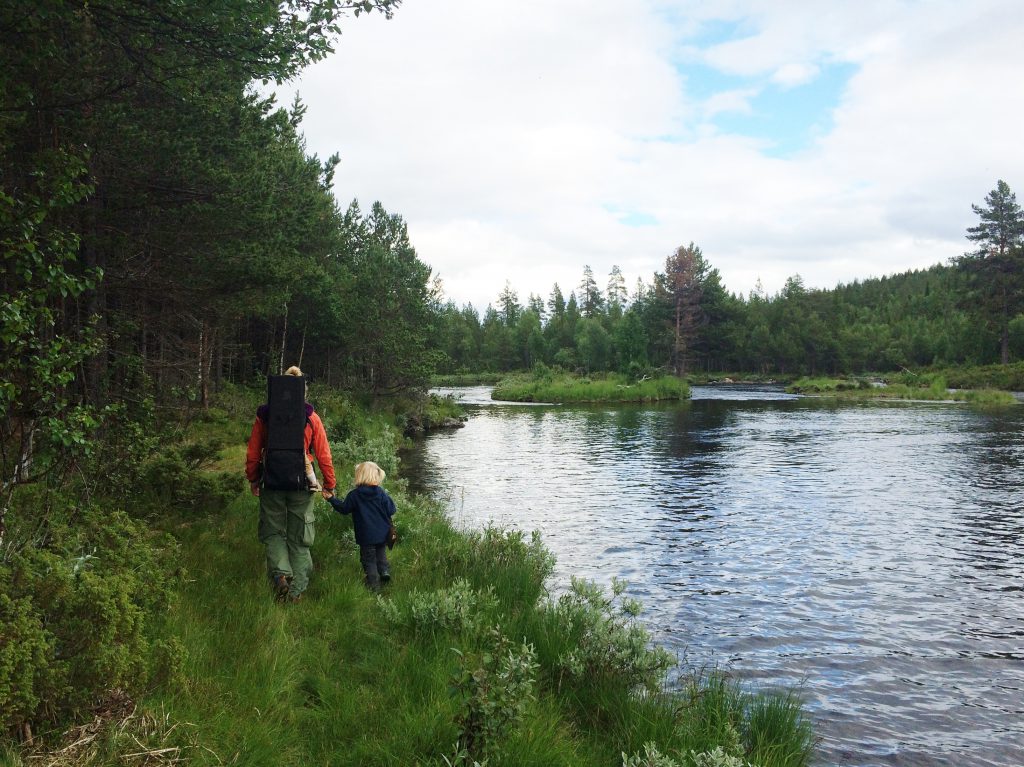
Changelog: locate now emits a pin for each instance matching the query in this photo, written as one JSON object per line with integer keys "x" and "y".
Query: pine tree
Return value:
{"x": 591, "y": 301}
{"x": 998, "y": 263}
{"x": 682, "y": 285}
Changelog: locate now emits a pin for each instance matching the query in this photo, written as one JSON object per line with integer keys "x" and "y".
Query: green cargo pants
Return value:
{"x": 287, "y": 532}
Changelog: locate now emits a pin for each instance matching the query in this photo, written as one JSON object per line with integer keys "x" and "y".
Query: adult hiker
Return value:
{"x": 285, "y": 432}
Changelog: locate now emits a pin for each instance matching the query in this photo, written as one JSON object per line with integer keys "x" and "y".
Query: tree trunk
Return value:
{"x": 678, "y": 366}
{"x": 1005, "y": 339}
{"x": 284, "y": 339}
{"x": 203, "y": 388}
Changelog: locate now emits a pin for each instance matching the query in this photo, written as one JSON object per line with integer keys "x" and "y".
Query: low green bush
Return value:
{"x": 495, "y": 685}
{"x": 604, "y": 639}
{"x": 457, "y": 609}
{"x": 651, "y": 757}
{"x": 175, "y": 480}
{"x": 79, "y": 617}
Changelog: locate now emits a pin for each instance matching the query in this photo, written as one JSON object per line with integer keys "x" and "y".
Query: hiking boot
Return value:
{"x": 281, "y": 585}
{"x": 385, "y": 576}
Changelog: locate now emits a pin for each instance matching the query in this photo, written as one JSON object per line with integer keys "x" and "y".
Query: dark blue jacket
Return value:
{"x": 371, "y": 509}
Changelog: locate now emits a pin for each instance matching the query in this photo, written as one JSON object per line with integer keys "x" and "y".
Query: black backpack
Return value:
{"x": 284, "y": 459}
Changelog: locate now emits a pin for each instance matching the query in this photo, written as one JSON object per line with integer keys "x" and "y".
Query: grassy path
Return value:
{"x": 464, "y": 647}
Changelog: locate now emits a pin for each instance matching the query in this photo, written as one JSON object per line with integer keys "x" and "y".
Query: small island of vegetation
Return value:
{"x": 557, "y": 387}
{"x": 912, "y": 386}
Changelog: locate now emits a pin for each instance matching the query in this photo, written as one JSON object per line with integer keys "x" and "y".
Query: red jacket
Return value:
{"x": 315, "y": 442}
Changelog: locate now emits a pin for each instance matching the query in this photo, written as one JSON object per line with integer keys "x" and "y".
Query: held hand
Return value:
{"x": 326, "y": 494}
{"x": 255, "y": 487}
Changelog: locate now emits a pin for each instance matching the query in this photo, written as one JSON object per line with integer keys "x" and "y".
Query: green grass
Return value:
{"x": 349, "y": 678}
{"x": 561, "y": 388}
{"x": 701, "y": 377}
{"x": 332, "y": 680}
{"x": 822, "y": 385}
{"x": 465, "y": 379}
{"x": 1003, "y": 377}
{"x": 932, "y": 388}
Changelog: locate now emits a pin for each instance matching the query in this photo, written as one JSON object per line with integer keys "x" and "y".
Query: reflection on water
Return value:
{"x": 870, "y": 552}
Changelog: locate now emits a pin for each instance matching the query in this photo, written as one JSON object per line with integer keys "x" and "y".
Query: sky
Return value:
{"x": 522, "y": 141}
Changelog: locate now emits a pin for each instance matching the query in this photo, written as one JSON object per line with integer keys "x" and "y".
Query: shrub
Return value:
{"x": 175, "y": 480}
{"x": 379, "y": 447}
{"x": 496, "y": 686}
{"x": 651, "y": 757}
{"x": 717, "y": 758}
{"x": 607, "y": 640}
{"x": 26, "y": 676}
{"x": 78, "y": 617}
{"x": 458, "y": 609}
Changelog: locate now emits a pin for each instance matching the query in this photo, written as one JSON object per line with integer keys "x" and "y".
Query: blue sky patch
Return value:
{"x": 633, "y": 218}
{"x": 788, "y": 119}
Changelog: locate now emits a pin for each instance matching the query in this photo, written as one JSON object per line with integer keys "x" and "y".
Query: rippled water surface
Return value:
{"x": 872, "y": 554}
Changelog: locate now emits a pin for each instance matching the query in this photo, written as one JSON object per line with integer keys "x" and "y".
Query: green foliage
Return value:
{"x": 421, "y": 413}
{"x": 778, "y": 730}
{"x": 514, "y": 563}
{"x": 717, "y": 758}
{"x": 495, "y": 686}
{"x": 265, "y": 680}
{"x": 458, "y": 609}
{"x": 823, "y": 385}
{"x": 1005, "y": 377}
{"x": 651, "y": 757}
{"x": 464, "y": 378}
{"x": 607, "y": 639}
{"x": 684, "y": 319}
{"x": 930, "y": 386}
{"x": 42, "y": 429}
{"x": 607, "y": 388}
{"x": 723, "y": 725}
{"x": 26, "y": 652}
{"x": 80, "y": 617}
{"x": 379, "y": 448}
{"x": 177, "y": 482}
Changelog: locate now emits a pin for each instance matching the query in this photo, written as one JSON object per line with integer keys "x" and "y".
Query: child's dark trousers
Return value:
{"x": 374, "y": 559}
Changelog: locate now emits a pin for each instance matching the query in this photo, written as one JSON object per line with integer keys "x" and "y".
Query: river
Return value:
{"x": 870, "y": 554}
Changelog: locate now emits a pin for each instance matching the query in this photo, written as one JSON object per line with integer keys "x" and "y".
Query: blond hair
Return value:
{"x": 369, "y": 473}
{"x": 293, "y": 371}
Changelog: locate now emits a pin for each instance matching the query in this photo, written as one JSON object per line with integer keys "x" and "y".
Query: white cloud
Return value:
{"x": 734, "y": 101}
{"x": 793, "y": 74}
{"x": 507, "y": 133}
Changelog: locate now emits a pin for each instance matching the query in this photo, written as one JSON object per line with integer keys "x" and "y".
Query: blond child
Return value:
{"x": 372, "y": 509}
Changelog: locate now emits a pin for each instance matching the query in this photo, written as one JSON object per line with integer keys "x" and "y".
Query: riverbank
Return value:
{"x": 464, "y": 658}
{"x": 609, "y": 387}
{"x": 933, "y": 388}
{"x": 466, "y": 379}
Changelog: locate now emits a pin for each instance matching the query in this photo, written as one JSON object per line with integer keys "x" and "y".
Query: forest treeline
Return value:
{"x": 165, "y": 230}
{"x": 683, "y": 319}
